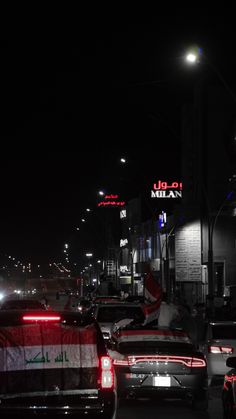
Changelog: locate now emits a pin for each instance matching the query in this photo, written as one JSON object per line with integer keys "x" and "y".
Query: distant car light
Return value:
{"x": 1, "y": 296}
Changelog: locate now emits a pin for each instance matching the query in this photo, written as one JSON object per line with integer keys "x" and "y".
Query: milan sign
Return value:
{"x": 163, "y": 190}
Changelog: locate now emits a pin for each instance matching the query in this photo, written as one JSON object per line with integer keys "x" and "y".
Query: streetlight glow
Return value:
{"x": 191, "y": 58}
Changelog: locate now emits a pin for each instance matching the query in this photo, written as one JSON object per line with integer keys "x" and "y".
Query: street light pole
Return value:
{"x": 194, "y": 56}
{"x": 211, "y": 229}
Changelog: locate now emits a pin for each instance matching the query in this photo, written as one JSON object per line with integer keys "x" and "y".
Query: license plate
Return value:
{"x": 161, "y": 381}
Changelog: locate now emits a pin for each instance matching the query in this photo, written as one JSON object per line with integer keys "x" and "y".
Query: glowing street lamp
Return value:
{"x": 193, "y": 55}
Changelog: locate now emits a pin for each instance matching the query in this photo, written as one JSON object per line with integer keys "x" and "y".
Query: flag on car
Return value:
{"x": 153, "y": 297}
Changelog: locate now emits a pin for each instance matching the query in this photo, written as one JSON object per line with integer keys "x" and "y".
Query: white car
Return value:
{"x": 219, "y": 344}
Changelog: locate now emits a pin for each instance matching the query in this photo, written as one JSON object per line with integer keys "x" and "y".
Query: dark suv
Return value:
{"x": 54, "y": 362}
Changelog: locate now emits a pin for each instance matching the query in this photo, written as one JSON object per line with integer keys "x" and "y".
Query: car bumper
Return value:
{"x": 180, "y": 387}
{"x": 92, "y": 406}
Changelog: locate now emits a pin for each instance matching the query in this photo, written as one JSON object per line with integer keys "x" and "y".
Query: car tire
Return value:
{"x": 228, "y": 407}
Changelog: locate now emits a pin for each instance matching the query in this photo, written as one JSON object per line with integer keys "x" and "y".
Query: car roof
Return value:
{"x": 21, "y": 302}
{"x": 222, "y": 322}
{"x": 118, "y": 304}
{"x": 16, "y": 316}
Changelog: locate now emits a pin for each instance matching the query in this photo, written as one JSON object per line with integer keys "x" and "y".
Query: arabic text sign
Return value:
{"x": 163, "y": 190}
{"x": 111, "y": 201}
{"x": 188, "y": 265}
{"x": 54, "y": 356}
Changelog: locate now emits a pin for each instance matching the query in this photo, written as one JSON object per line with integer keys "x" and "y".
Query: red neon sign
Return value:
{"x": 163, "y": 186}
{"x": 111, "y": 201}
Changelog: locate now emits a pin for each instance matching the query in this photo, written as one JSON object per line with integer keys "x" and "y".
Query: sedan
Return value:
{"x": 159, "y": 362}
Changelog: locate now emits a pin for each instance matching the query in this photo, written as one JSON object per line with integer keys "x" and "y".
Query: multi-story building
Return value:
{"x": 195, "y": 252}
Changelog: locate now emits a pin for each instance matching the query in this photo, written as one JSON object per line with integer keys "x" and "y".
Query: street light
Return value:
{"x": 89, "y": 255}
{"x": 195, "y": 56}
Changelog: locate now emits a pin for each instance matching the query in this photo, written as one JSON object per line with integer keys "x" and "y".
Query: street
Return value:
{"x": 140, "y": 409}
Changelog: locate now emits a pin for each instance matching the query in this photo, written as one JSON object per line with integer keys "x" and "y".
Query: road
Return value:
{"x": 143, "y": 409}
{"x": 167, "y": 409}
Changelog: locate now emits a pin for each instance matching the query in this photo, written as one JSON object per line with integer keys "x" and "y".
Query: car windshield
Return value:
{"x": 113, "y": 314}
{"x": 224, "y": 331}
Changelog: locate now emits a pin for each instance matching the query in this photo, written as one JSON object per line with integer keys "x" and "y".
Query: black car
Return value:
{"x": 55, "y": 363}
{"x": 229, "y": 390}
{"x": 159, "y": 362}
{"x": 24, "y": 304}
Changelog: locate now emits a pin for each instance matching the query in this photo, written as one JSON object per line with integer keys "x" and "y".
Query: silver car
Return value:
{"x": 219, "y": 344}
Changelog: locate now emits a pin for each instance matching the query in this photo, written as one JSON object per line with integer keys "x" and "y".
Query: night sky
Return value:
{"x": 76, "y": 100}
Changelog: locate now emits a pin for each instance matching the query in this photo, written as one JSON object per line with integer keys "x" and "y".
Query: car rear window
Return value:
{"x": 113, "y": 314}
{"x": 224, "y": 331}
{"x": 154, "y": 347}
{"x": 22, "y": 305}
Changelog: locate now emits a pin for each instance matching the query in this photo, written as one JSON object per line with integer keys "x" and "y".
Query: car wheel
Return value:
{"x": 228, "y": 407}
{"x": 200, "y": 404}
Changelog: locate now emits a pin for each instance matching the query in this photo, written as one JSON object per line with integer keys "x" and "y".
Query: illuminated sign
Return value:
{"x": 111, "y": 201}
{"x": 123, "y": 242}
{"x": 123, "y": 214}
{"x": 162, "y": 219}
{"x": 124, "y": 269}
{"x": 163, "y": 190}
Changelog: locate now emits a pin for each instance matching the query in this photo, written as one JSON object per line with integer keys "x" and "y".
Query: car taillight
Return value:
{"x": 107, "y": 373}
{"x": 122, "y": 362}
{"x": 190, "y": 362}
{"x": 213, "y": 349}
{"x": 42, "y": 317}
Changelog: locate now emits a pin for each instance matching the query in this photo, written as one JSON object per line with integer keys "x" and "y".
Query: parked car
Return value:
{"x": 229, "y": 390}
{"x": 108, "y": 313}
{"x": 151, "y": 362}
{"x": 54, "y": 363}
{"x": 24, "y": 304}
{"x": 219, "y": 344}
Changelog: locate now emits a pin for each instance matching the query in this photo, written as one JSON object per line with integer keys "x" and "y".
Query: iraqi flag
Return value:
{"x": 153, "y": 297}
{"x": 45, "y": 356}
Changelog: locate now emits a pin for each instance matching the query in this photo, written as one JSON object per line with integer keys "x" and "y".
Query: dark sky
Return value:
{"x": 76, "y": 98}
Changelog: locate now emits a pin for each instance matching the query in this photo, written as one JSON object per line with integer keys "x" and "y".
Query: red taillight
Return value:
{"x": 48, "y": 317}
{"x": 185, "y": 360}
{"x": 122, "y": 362}
{"x": 107, "y": 373}
{"x": 213, "y": 349}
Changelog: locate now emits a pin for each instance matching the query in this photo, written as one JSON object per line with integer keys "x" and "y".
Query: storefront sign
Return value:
{"x": 188, "y": 266}
{"x": 123, "y": 242}
{"x": 124, "y": 269}
{"x": 123, "y": 214}
{"x": 163, "y": 190}
{"x": 111, "y": 201}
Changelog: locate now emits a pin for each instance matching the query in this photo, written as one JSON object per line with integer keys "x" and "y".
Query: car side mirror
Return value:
{"x": 231, "y": 362}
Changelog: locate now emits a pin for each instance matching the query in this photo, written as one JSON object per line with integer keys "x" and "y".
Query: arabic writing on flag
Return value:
{"x": 153, "y": 297}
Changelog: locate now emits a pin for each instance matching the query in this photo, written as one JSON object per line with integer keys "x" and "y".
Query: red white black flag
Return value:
{"x": 153, "y": 297}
